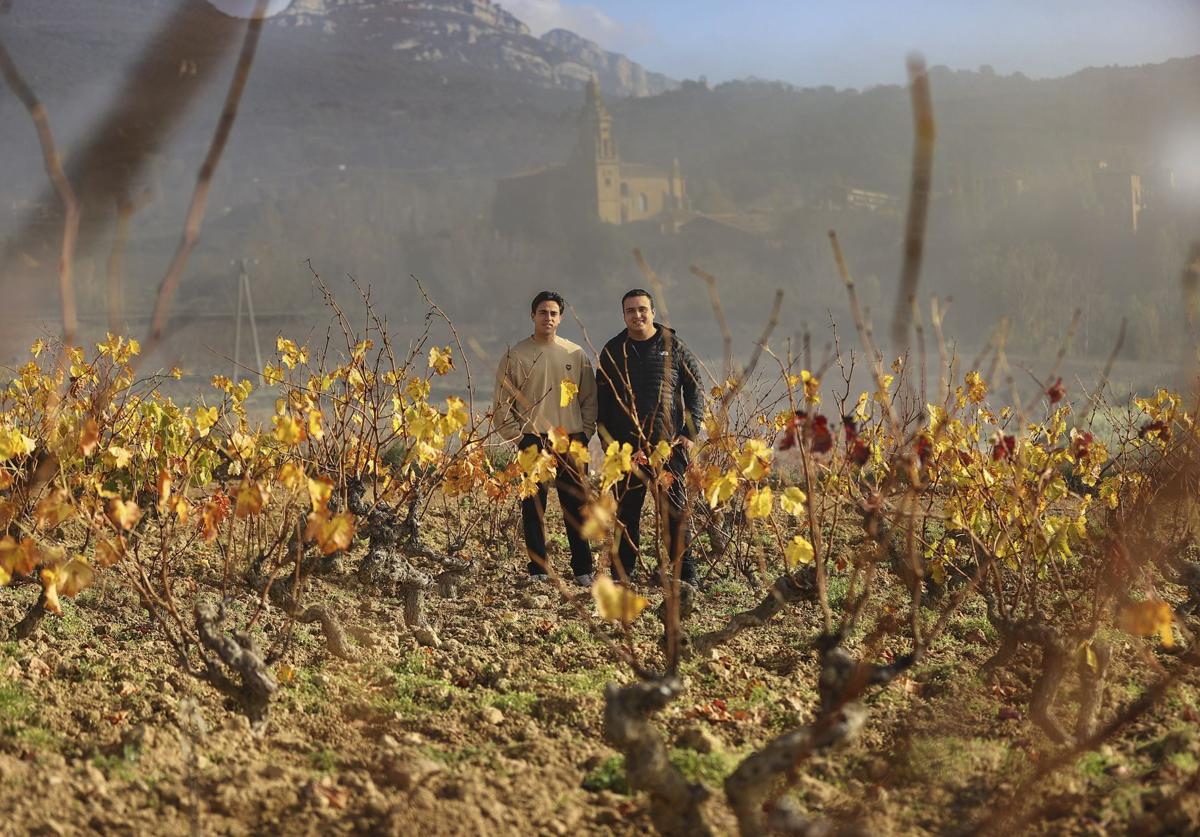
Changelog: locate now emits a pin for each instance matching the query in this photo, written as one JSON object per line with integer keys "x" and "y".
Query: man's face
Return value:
{"x": 546, "y": 318}
{"x": 639, "y": 315}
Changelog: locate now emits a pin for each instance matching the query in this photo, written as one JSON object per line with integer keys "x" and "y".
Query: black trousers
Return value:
{"x": 631, "y": 496}
{"x": 571, "y": 494}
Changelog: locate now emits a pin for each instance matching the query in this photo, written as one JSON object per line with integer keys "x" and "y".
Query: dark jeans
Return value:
{"x": 631, "y": 496}
{"x": 571, "y": 494}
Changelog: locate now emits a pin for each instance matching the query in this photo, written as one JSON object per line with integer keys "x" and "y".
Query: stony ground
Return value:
{"x": 499, "y": 731}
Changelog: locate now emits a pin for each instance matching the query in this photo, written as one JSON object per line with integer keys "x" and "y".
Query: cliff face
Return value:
{"x": 615, "y": 72}
{"x": 479, "y": 34}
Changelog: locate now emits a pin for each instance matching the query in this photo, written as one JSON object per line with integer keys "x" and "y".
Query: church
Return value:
{"x": 594, "y": 184}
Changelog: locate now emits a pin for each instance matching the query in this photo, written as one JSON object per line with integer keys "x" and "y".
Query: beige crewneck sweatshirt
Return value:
{"x": 527, "y": 389}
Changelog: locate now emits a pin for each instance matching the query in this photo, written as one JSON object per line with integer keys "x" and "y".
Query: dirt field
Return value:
{"x": 499, "y": 731}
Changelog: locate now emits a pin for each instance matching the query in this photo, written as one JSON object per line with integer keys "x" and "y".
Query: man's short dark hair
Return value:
{"x": 637, "y": 292}
{"x": 547, "y": 296}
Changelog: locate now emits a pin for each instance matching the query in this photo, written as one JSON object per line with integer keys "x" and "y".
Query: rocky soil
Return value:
{"x": 499, "y": 730}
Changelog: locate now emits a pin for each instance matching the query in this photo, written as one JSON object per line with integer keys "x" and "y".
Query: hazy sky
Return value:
{"x": 856, "y": 43}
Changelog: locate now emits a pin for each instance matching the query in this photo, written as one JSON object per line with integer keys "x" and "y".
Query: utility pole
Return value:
{"x": 243, "y": 292}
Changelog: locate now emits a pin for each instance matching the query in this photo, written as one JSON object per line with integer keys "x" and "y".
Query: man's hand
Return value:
{"x": 685, "y": 443}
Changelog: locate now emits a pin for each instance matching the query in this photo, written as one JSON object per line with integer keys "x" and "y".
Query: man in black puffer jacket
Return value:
{"x": 648, "y": 389}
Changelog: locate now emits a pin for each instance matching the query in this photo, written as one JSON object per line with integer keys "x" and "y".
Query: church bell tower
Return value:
{"x": 596, "y": 156}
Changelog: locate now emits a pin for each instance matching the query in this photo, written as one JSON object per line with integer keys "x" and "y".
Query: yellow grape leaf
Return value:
{"x": 319, "y": 492}
{"x": 567, "y": 390}
{"x": 53, "y": 509}
{"x": 1088, "y": 653}
{"x": 754, "y": 460}
{"x": 598, "y": 517}
{"x": 206, "y": 417}
{"x": 109, "y": 553}
{"x": 285, "y": 674}
{"x": 618, "y": 461}
{"x": 614, "y": 603}
{"x": 89, "y": 437}
{"x": 290, "y": 353}
{"x": 287, "y": 430}
{"x": 180, "y": 507}
{"x": 5, "y": 576}
{"x": 164, "y": 490}
{"x": 812, "y": 387}
{"x": 560, "y": 440}
{"x": 579, "y": 452}
{"x": 758, "y": 503}
{"x": 1146, "y": 618}
{"x": 660, "y": 454}
{"x": 417, "y": 389}
{"x": 51, "y": 590}
{"x": 316, "y": 429}
{"x": 118, "y": 456}
{"x": 976, "y": 388}
{"x": 331, "y": 533}
{"x": 14, "y": 443}
{"x": 441, "y": 360}
{"x": 73, "y": 576}
{"x": 38, "y": 347}
{"x": 718, "y": 487}
{"x": 18, "y": 558}
{"x": 251, "y": 497}
{"x": 798, "y": 551}
{"x": 792, "y": 500}
{"x": 291, "y": 476}
{"x": 210, "y": 521}
{"x": 457, "y": 415}
{"x": 124, "y": 513}
{"x": 538, "y": 465}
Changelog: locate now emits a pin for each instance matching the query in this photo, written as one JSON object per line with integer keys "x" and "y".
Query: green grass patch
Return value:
{"x": 15, "y": 704}
{"x": 949, "y": 761}
{"x": 121, "y": 765}
{"x": 463, "y": 755}
{"x": 310, "y": 691}
{"x": 520, "y": 702}
{"x": 570, "y": 633}
{"x": 416, "y": 692}
{"x": 18, "y": 720}
{"x": 590, "y": 682}
{"x": 609, "y": 775}
{"x": 1093, "y": 765}
{"x": 710, "y": 768}
{"x": 324, "y": 760}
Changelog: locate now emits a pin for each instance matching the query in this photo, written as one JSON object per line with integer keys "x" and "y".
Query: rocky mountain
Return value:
{"x": 615, "y": 72}
{"x": 479, "y": 34}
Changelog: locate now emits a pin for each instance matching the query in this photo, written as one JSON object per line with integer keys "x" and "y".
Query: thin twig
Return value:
{"x": 195, "y": 215}
{"x": 918, "y": 197}
{"x": 53, "y": 163}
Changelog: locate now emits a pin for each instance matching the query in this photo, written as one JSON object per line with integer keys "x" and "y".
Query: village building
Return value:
{"x": 595, "y": 184}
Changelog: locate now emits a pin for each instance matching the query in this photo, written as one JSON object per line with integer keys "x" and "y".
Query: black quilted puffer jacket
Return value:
{"x": 657, "y": 381}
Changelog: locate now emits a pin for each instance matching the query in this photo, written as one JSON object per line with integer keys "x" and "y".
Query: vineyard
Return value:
{"x": 955, "y": 602}
{"x": 917, "y": 611}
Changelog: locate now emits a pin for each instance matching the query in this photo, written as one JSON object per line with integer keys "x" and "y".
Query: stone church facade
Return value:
{"x": 593, "y": 185}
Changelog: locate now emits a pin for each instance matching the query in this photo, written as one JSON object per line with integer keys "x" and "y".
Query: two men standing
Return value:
{"x": 647, "y": 390}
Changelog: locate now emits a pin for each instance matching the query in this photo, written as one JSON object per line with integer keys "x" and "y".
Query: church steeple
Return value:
{"x": 595, "y": 126}
{"x": 596, "y": 155}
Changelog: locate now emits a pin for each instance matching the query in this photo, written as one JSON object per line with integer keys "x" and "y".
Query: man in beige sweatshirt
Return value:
{"x": 528, "y": 405}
